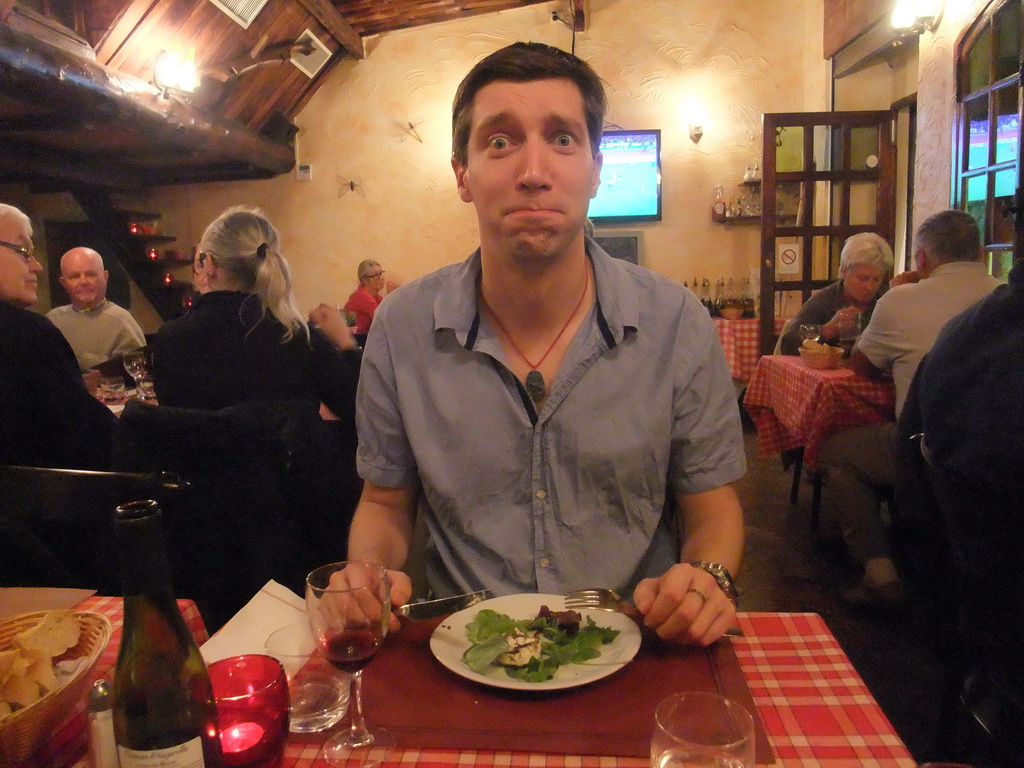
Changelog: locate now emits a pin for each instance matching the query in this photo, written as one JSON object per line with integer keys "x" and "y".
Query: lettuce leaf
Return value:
{"x": 489, "y": 628}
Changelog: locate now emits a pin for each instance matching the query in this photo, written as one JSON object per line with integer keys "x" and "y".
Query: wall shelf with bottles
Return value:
{"x": 747, "y": 205}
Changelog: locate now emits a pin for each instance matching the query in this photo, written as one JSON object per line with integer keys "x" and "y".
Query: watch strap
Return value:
{"x": 722, "y": 577}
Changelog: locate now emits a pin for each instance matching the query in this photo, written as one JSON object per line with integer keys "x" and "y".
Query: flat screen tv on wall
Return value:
{"x": 630, "y": 188}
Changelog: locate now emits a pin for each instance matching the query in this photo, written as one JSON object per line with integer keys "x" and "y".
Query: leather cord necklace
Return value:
{"x": 535, "y": 385}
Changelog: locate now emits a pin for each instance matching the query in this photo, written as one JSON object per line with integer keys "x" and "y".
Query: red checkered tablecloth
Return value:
{"x": 793, "y": 405}
{"x": 741, "y": 344}
{"x": 816, "y": 710}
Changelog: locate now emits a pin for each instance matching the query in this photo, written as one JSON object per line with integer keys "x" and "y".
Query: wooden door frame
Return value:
{"x": 771, "y": 226}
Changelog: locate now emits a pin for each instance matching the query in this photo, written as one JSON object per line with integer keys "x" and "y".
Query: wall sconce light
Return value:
{"x": 695, "y": 116}
{"x": 174, "y": 73}
{"x": 917, "y": 15}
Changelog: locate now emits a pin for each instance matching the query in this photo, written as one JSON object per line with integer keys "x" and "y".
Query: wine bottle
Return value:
{"x": 164, "y": 712}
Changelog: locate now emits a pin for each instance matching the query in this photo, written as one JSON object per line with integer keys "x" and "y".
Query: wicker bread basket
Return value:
{"x": 827, "y": 358}
{"x": 26, "y": 730}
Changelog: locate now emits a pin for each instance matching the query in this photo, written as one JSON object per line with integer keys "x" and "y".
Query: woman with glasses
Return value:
{"x": 367, "y": 297}
{"x": 47, "y": 417}
{"x": 244, "y": 338}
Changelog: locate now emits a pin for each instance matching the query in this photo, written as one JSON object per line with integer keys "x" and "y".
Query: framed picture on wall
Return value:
{"x": 621, "y": 245}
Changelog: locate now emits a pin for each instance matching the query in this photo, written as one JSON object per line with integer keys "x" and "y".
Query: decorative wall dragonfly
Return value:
{"x": 354, "y": 184}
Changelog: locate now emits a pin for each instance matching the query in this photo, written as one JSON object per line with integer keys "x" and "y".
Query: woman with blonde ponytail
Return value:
{"x": 245, "y": 338}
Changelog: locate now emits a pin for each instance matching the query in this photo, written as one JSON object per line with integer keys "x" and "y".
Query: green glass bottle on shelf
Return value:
{"x": 164, "y": 712}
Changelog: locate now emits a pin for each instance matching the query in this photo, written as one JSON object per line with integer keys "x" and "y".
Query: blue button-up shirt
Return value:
{"x": 573, "y": 495}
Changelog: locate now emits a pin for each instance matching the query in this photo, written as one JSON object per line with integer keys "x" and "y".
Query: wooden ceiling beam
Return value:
{"x": 35, "y": 73}
{"x": 335, "y": 23}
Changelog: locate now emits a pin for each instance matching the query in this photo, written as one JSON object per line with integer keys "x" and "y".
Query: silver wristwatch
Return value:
{"x": 723, "y": 577}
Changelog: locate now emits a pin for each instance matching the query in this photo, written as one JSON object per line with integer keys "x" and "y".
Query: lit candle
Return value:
{"x": 168, "y": 278}
{"x": 153, "y": 254}
{"x": 133, "y": 228}
{"x": 240, "y": 737}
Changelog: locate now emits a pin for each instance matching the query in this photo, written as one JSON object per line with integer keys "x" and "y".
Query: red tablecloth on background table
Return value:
{"x": 815, "y": 708}
{"x": 741, "y": 343}
{"x": 793, "y": 405}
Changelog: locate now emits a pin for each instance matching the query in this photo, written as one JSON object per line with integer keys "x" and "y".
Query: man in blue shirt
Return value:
{"x": 563, "y": 419}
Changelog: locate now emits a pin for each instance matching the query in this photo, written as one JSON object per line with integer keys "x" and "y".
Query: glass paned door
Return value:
{"x": 841, "y": 166}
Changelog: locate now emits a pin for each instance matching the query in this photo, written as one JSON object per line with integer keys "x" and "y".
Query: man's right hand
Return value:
{"x": 903, "y": 278}
{"x": 401, "y": 592}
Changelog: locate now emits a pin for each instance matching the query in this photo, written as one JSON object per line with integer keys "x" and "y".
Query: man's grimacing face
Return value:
{"x": 530, "y": 172}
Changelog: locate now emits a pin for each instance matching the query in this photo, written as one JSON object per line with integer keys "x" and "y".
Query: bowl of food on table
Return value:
{"x": 818, "y": 355}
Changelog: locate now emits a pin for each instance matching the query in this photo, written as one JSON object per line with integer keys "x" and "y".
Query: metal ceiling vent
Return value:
{"x": 311, "y": 62}
{"x": 242, "y": 11}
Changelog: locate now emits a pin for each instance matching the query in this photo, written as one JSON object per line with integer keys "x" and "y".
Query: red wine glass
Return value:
{"x": 348, "y": 605}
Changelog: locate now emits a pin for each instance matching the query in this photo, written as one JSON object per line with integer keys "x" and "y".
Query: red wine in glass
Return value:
{"x": 352, "y": 649}
{"x": 348, "y": 604}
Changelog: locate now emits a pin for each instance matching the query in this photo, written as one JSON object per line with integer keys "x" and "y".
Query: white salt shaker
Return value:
{"x": 102, "y": 748}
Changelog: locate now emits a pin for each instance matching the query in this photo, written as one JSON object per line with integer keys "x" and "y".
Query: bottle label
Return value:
{"x": 187, "y": 755}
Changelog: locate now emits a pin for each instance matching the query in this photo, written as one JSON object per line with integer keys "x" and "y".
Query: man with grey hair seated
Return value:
{"x": 47, "y": 417}
{"x": 864, "y": 264}
{"x": 907, "y": 319}
{"x": 96, "y": 328}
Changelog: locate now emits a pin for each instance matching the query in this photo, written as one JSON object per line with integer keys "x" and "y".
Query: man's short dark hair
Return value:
{"x": 949, "y": 236}
{"x": 523, "y": 63}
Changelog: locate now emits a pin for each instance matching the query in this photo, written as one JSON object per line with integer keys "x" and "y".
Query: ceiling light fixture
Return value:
{"x": 174, "y": 73}
{"x": 917, "y": 15}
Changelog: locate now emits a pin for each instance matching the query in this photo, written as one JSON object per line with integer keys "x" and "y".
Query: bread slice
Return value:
{"x": 58, "y": 631}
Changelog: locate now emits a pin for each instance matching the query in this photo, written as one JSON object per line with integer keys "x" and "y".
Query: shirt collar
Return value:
{"x": 90, "y": 310}
{"x": 618, "y": 305}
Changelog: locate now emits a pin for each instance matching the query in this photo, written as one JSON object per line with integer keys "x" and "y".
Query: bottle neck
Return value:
{"x": 144, "y": 566}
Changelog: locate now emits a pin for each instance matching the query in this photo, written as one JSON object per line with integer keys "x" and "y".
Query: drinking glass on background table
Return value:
{"x": 135, "y": 364}
{"x": 348, "y": 604}
{"x": 318, "y": 691}
{"x": 111, "y": 389}
{"x": 144, "y": 387}
{"x": 810, "y": 331}
{"x": 251, "y": 694}
{"x": 850, "y": 328}
{"x": 704, "y": 730}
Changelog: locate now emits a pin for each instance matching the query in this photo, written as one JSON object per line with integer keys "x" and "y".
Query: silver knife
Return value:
{"x": 429, "y": 609}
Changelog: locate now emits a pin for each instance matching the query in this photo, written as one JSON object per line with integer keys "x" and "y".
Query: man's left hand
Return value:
{"x": 685, "y": 605}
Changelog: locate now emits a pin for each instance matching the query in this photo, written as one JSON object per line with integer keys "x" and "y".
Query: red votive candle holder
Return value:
{"x": 251, "y": 693}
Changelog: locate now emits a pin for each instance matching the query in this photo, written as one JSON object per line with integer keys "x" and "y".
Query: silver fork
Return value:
{"x": 603, "y": 599}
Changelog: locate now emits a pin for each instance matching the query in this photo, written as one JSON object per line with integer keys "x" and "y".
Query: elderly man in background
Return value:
{"x": 47, "y": 418}
{"x": 949, "y": 277}
{"x": 96, "y": 328}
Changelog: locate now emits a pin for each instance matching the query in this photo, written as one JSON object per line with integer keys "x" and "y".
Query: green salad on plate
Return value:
{"x": 533, "y": 649}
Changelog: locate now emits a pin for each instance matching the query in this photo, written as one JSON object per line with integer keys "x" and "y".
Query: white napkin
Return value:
{"x": 273, "y": 607}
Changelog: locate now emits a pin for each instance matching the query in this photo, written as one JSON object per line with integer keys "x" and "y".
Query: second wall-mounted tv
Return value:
{"x": 630, "y": 188}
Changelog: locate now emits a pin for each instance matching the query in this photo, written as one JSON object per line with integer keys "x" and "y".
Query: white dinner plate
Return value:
{"x": 449, "y": 642}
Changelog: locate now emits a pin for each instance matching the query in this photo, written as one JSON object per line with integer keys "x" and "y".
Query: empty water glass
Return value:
{"x": 702, "y": 729}
{"x": 319, "y": 692}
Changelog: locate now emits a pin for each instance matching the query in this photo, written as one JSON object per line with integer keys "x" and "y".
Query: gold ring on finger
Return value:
{"x": 698, "y": 593}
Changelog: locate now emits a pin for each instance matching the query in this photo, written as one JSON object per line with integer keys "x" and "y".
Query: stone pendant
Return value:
{"x": 535, "y": 385}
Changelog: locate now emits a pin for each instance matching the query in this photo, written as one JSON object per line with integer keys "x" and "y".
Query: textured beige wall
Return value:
{"x": 738, "y": 59}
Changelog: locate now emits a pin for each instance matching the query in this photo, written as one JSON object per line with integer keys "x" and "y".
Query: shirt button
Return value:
{"x": 545, "y": 562}
{"x": 542, "y": 494}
